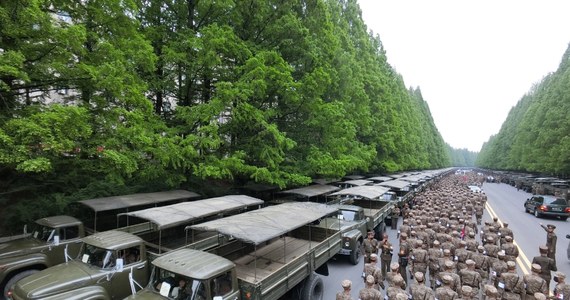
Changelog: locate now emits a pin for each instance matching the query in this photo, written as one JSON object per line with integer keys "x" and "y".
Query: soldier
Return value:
{"x": 491, "y": 249}
{"x": 372, "y": 269}
{"x": 540, "y": 296}
{"x": 419, "y": 290}
{"x": 462, "y": 255}
{"x": 496, "y": 224}
{"x": 369, "y": 292}
{"x": 551, "y": 240}
{"x": 562, "y": 289}
{"x": 394, "y": 271}
{"x": 534, "y": 283}
{"x": 470, "y": 277}
{"x": 511, "y": 284}
{"x": 479, "y": 207}
{"x": 471, "y": 242}
{"x": 445, "y": 258}
{"x": 482, "y": 262}
{"x": 395, "y": 217}
{"x": 405, "y": 228}
{"x": 403, "y": 256}
{"x": 546, "y": 263}
{"x": 419, "y": 258}
{"x": 467, "y": 293}
{"x": 491, "y": 293}
{"x": 369, "y": 246}
{"x": 396, "y": 288}
{"x": 445, "y": 292}
{"x": 449, "y": 270}
{"x": 492, "y": 233}
{"x": 345, "y": 294}
{"x": 386, "y": 255}
{"x": 504, "y": 232}
{"x": 448, "y": 245}
{"x": 499, "y": 267}
{"x": 434, "y": 254}
{"x": 511, "y": 250}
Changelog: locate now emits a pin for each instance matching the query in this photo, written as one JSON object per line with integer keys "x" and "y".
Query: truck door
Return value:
{"x": 131, "y": 262}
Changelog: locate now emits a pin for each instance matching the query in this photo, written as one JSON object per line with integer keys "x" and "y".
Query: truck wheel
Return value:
{"x": 355, "y": 254}
{"x": 12, "y": 282}
{"x": 313, "y": 288}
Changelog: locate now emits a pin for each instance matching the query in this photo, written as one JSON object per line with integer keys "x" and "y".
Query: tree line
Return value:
{"x": 535, "y": 137}
{"x": 197, "y": 94}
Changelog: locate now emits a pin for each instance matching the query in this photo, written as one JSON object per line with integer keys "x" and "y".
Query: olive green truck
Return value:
{"x": 276, "y": 251}
{"x": 106, "y": 259}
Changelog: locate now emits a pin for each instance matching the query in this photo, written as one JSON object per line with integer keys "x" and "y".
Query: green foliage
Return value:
{"x": 535, "y": 135}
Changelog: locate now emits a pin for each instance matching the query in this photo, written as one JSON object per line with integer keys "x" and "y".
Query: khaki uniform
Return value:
{"x": 445, "y": 293}
{"x": 547, "y": 264}
{"x": 534, "y": 284}
{"x": 499, "y": 267}
{"x": 505, "y": 231}
{"x": 385, "y": 257}
{"x": 511, "y": 251}
{"x": 562, "y": 291}
{"x": 434, "y": 255}
{"x": 456, "y": 283}
{"x": 392, "y": 291}
{"x": 369, "y": 294}
{"x": 370, "y": 247}
{"x": 471, "y": 278}
{"x": 395, "y": 216}
{"x": 511, "y": 286}
{"x": 372, "y": 269}
{"x": 419, "y": 258}
{"x": 482, "y": 264}
{"x": 390, "y": 277}
{"x": 343, "y": 296}
{"x": 421, "y": 292}
{"x": 462, "y": 255}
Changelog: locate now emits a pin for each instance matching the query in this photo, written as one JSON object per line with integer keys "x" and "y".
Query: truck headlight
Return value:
{"x": 346, "y": 244}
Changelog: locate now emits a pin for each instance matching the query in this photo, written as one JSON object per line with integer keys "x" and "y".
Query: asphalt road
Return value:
{"x": 507, "y": 204}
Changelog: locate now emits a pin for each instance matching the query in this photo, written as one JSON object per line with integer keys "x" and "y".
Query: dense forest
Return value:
{"x": 462, "y": 157}
{"x": 108, "y": 97}
{"x": 535, "y": 137}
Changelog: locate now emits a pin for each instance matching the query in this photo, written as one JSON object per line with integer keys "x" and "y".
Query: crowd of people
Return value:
{"x": 447, "y": 252}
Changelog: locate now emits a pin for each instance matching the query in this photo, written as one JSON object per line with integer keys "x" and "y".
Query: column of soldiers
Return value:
{"x": 439, "y": 250}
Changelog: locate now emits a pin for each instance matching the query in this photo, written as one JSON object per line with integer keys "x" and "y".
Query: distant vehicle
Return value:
{"x": 547, "y": 205}
{"x": 475, "y": 189}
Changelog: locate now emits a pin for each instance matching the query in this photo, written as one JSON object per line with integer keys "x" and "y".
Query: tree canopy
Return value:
{"x": 104, "y": 97}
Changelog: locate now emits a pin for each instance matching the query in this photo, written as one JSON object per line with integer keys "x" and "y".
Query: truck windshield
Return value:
{"x": 43, "y": 233}
{"x": 98, "y": 257}
{"x": 172, "y": 285}
{"x": 347, "y": 215}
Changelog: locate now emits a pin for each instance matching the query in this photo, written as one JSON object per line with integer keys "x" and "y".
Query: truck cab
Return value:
{"x": 47, "y": 243}
{"x": 100, "y": 271}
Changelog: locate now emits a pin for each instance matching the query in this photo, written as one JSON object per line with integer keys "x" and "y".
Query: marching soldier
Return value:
{"x": 504, "y": 232}
{"x": 396, "y": 288}
{"x": 499, "y": 267}
{"x": 395, "y": 217}
{"x": 534, "y": 283}
{"x": 551, "y": 240}
{"x": 471, "y": 242}
{"x": 434, "y": 254}
{"x": 445, "y": 292}
{"x": 462, "y": 255}
{"x": 511, "y": 284}
{"x": 479, "y": 207}
{"x": 482, "y": 262}
{"x": 449, "y": 271}
{"x": 419, "y": 290}
{"x": 562, "y": 289}
{"x": 404, "y": 255}
{"x": 419, "y": 258}
{"x": 511, "y": 250}
{"x": 386, "y": 255}
{"x": 369, "y": 246}
{"x": 394, "y": 271}
{"x": 369, "y": 292}
{"x": 467, "y": 293}
{"x": 546, "y": 263}
{"x": 491, "y": 248}
{"x": 470, "y": 277}
{"x": 345, "y": 294}
{"x": 372, "y": 269}
{"x": 491, "y": 293}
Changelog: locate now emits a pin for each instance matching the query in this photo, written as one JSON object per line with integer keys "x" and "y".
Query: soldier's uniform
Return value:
{"x": 499, "y": 267}
{"x": 504, "y": 232}
{"x": 419, "y": 290}
{"x": 372, "y": 269}
{"x": 491, "y": 249}
{"x": 462, "y": 255}
{"x": 471, "y": 242}
{"x": 395, "y": 217}
{"x": 534, "y": 283}
{"x": 395, "y": 289}
{"x": 394, "y": 272}
{"x": 467, "y": 293}
{"x": 491, "y": 293}
{"x": 434, "y": 255}
{"x": 370, "y": 246}
{"x": 511, "y": 285}
{"x": 562, "y": 289}
{"x": 419, "y": 258}
{"x": 479, "y": 212}
{"x": 551, "y": 240}
{"x": 449, "y": 271}
{"x": 385, "y": 256}
{"x": 470, "y": 277}
{"x": 369, "y": 293}
{"x": 345, "y": 293}
{"x": 547, "y": 264}
{"x": 403, "y": 256}
{"x": 482, "y": 262}
{"x": 511, "y": 250}
{"x": 446, "y": 292}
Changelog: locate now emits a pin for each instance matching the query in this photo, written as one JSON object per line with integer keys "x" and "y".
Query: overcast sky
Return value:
{"x": 473, "y": 60}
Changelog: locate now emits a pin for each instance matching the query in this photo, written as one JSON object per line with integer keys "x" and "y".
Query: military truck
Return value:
{"x": 159, "y": 239}
{"x": 47, "y": 242}
{"x": 352, "y": 223}
{"x": 275, "y": 250}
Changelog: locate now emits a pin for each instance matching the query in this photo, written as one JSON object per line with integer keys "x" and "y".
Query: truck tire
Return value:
{"x": 313, "y": 288}
{"x": 355, "y": 254}
{"x": 12, "y": 282}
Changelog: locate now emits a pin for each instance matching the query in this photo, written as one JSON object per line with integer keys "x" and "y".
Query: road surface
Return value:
{"x": 506, "y": 203}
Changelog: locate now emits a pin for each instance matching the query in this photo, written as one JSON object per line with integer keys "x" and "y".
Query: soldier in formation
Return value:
{"x": 345, "y": 293}
{"x": 369, "y": 246}
{"x": 369, "y": 292}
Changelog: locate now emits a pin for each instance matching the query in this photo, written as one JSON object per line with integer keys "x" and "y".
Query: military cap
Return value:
{"x": 490, "y": 290}
{"x": 397, "y": 280}
{"x": 501, "y": 253}
{"x": 466, "y": 290}
{"x": 436, "y": 242}
{"x": 394, "y": 266}
{"x": 446, "y": 279}
{"x": 373, "y": 256}
{"x": 509, "y": 238}
{"x": 495, "y": 219}
{"x": 471, "y": 233}
{"x": 511, "y": 265}
{"x": 536, "y": 267}
{"x": 370, "y": 279}
{"x": 490, "y": 239}
{"x": 346, "y": 283}
{"x": 543, "y": 248}
{"x": 419, "y": 276}
{"x": 560, "y": 274}
{"x": 550, "y": 226}
{"x": 404, "y": 235}
{"x": 539, "y": 296}
{"x": 413, "y": 232}
{"x": 446, "y": 251}
{"x": 463, "y": 243}
{"x": 480, "y": 248}
{"x": 505, "y": 224}
{"x": 419, "y": 242}
{"x": 448, "y": 264}
{"x": 470, "y": 262}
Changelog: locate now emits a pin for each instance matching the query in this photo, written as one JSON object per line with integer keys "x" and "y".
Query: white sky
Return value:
{"x": 473, "y": 60}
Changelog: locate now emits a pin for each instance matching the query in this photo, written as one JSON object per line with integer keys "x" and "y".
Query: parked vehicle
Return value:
{"x": 547, "y": 205}
{"x": 276, "y": 250}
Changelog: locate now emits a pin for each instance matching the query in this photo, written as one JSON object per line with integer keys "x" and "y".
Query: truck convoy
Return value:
{"x": 275, "y": 250}
{"x": 95, "y": 272}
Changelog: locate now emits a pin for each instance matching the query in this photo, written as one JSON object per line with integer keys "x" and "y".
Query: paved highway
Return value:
{"x": 506, "y": 203}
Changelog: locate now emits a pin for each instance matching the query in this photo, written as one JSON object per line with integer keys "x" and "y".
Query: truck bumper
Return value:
{"x": 343, "y": 251}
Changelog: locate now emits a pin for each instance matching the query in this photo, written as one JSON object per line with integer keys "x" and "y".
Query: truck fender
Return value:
{"x": 11, "y": 267}
{"x": 85, "y": 293}
{"x": 354, "y": 235}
